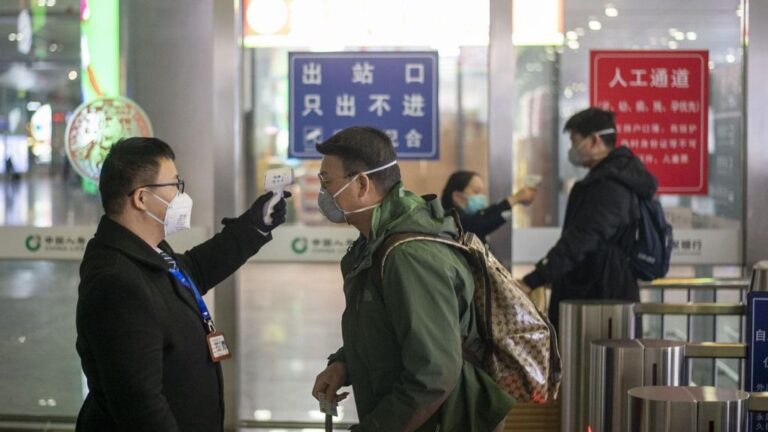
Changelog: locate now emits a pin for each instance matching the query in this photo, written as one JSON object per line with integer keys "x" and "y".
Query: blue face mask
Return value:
{"x": 476, "y": 203}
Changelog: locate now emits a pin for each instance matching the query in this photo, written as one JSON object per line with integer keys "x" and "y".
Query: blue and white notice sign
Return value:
{"x": 392, "y": 91}
{"x": 757, "y": 354}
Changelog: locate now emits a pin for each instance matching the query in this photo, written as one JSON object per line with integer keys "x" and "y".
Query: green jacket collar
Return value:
{"x": 403, "y": 211}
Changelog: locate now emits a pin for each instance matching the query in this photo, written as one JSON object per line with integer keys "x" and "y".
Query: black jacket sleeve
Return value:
{"x": 486, "y": 221}
{"x": 606, "y": 209}
{"x": 116, "y": 319}
{"x": 216, "y": 259}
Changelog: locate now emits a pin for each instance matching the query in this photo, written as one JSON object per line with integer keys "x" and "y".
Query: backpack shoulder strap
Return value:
{"x": 624, "y": 241}
{"x": 395, "y": 240}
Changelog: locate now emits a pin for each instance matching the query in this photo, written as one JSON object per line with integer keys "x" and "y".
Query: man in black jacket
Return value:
{"x": 590, "y": 260}
{"x": 146, "y": 341}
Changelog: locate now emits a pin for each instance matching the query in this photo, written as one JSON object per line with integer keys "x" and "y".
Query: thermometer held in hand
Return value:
{"x": 276, "y": 181}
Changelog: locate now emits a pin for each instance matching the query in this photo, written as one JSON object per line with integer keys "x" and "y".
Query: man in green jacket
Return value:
{"x": 402, "y": 336}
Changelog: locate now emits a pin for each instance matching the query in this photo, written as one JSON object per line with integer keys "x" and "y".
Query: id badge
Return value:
{"x": 217, "y": 346}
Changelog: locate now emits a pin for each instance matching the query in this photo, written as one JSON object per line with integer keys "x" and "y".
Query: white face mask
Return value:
{"x": 332, "y": 211}
{"x": 178, "y": 216}
{"x": 576, "y": 157}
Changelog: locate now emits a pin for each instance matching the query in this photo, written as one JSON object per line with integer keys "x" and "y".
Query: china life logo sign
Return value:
{"x": 33, "y": 243}
{"x": 68, "y": 244}
{"x": 300, "y": 245}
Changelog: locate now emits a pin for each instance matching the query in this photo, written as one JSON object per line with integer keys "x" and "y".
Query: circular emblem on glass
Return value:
{"x": 299, "y": 245}
{"x": 33, "y": 243}
{"x": 96, "y": 126}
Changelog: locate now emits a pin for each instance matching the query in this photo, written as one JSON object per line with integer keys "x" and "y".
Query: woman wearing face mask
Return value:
{"x": 465, "y": 192}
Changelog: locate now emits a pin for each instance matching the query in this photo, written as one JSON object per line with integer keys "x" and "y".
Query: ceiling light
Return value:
{"x": 537, "y": 22}
{"x": 571, "y": 35}
{"x": 672, "y": 45}
{"x": 12, "y": 37}
{"x": 268, "y": 16}
{"x": 691, "y": 36}
{"x": 580, "y": 31}
{"x": 72, "y": 75}
{"x": 672, "y": 31}
{"x": 573, "y": 44}
{"x": 679, "y": 35}
{"x": 611, "y": 11}
{"x": 595, "y": 24}
{"x": 730, "y": 58}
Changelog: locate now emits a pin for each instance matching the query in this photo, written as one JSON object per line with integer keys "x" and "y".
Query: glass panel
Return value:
{"x": 728, "y": 371}
{"x": 711, "y": 25}
{"x": 701, "y": 372}
{"x": 288, "y": 333}
{"x": 463, "y": 127}
{"x": 41, "y": 370}
{"x": 39, "y": 90}
{"x": 651, "y": 323}
{"x": 40, "y": 87}
{"x": 552, "y": 84}
{"x": 290, "y": 322}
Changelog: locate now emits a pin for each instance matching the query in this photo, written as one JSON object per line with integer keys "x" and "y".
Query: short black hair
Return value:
{"x": 593, "y": 120}
{"x": 458, "y": 181}
{"x": 131, "y": 163}
{"x": 363, "y": 148}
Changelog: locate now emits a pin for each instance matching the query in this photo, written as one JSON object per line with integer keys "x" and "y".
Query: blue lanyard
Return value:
{"x": 187, "y": 282}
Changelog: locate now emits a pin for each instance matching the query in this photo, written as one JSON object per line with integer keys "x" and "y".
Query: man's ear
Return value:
{"x": 137, "y": 200}
{"x": 365, "y": 184}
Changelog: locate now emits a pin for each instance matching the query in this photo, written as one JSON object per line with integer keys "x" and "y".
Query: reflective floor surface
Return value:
{"x": 289, "y": 323}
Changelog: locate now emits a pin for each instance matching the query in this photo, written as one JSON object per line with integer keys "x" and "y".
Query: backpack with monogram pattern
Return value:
{"x": 518, "y": 346}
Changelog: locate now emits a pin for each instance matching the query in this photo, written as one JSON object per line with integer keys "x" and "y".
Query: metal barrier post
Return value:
{"x": 620, "y": 365}
{"x": 581, "y": 322}
{"x": 694, "y": 409}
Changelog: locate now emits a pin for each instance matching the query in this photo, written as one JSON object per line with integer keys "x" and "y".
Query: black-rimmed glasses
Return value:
{"x": 179, "y": 185}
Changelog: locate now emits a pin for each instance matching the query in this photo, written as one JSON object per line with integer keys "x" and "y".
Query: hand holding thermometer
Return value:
{"x": 276, "y": 181}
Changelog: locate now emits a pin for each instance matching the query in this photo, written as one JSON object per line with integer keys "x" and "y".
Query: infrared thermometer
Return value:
{"x": 532, "y": 180}
{"x": 276, "y": 180}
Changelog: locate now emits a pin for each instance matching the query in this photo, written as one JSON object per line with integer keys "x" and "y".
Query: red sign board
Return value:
{"x": 661, "y": 99}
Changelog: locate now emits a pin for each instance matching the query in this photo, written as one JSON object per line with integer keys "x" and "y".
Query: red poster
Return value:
{"x": 661, "y": 99}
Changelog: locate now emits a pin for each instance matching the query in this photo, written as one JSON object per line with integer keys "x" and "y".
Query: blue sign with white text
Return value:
{"x": 757, "y": 354}
{"x": 392, "y": 91}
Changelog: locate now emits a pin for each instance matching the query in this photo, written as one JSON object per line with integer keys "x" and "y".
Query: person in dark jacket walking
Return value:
{"x": 590, "y": 261}
{"x": 147, "y": 343}
{"x": 465, "y": 192}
